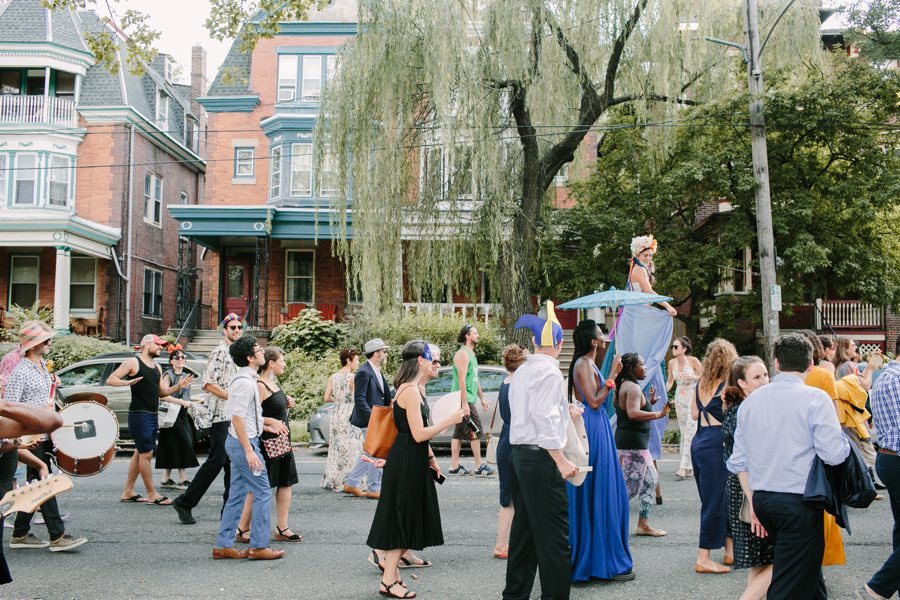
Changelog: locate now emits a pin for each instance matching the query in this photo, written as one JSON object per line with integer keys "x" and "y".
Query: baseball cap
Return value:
{"x": 152, "y": 337}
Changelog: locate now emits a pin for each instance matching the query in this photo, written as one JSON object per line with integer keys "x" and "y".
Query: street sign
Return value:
{"x": 775, "y": 298}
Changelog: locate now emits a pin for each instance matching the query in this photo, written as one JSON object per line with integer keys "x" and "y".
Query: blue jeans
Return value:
{"x": 243, "y": 481}
{"x": 887, "y": 581}
{"x": 365, "y": 469}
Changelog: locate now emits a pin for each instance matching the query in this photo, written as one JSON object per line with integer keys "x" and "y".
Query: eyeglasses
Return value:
{"x": 257, "y": 349}
{"x": 235, "y": 327}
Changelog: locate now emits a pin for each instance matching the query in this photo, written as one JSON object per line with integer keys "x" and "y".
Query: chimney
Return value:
{"x": 199, "y": 86}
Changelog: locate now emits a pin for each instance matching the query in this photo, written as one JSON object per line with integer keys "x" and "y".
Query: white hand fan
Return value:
{"x": 444, "y": 407}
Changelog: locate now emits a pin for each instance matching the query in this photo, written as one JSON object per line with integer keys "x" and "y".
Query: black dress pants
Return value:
{"x": 50, "y": 509}
{"x": 797, "y": 531}
{"x": 216, "y": 460}
{"x": 8, "y": 464}
{"x": 539, "y": 539}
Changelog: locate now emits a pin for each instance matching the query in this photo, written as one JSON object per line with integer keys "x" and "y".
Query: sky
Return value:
{"x": 180, "y": 23}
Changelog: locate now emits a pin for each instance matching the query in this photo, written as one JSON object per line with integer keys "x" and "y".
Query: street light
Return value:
{"x": 770, "y": 290}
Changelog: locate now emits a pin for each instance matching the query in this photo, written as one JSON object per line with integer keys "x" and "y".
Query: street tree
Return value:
{"x": 835, "y": 177}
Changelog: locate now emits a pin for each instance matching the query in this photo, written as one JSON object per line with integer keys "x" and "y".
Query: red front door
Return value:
{"x": 237, "y": 286}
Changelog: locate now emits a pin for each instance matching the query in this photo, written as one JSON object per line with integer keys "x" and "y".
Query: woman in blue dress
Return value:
{"x": 513, "y": 358}
{"x": 598, "y": 509}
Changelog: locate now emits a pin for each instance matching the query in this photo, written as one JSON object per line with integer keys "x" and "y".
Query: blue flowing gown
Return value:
{"x": 598, "y": 508}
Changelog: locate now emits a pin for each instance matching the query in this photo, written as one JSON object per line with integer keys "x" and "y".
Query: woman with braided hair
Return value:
{"x": 598, "y": 509}
{"x": 634, "y": 414}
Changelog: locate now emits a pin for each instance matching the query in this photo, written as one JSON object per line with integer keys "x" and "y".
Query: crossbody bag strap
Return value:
{"x": 494, "y": 415}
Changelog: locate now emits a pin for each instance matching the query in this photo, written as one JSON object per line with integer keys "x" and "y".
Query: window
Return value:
{"x": 300, "y": 276}
{"x": 330, "y": 66}
{"x": 275, "y": 173}
{"x": 162, "y": 110}
{"x": 243, "y": 162}
{"x": 23, "y": 280}
{"x": 460, "y": 182}
{"x": 153, "y": 198}
{"x": 11, "y": 82}
{"x": 183, "y": 197}
{"x": 83, "y": 375}
{"x": 59, "y": 181}
{"x": 432, "y": 172}
{"x": 152, "y": 293}
{"x": 328, "y": 176}
{"x": 191, "y": 133}
{"x": 65, "y": 84}
{"x": 301, "y": 169}
{"x": 4, "y": 179}
{"x": 440, "y": 385}
{"x": 83, "y": 283}
{"x": 312, "y": 78}
{"x": 26, "y": 178}
{"x": 287, "y": 77}
{"x": 34, "y": 82}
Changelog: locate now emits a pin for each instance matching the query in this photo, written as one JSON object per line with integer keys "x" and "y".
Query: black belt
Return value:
{"x": 532, "y": 447}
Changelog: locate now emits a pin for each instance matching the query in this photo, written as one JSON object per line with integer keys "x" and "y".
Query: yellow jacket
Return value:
{"x": 851, "y": 405}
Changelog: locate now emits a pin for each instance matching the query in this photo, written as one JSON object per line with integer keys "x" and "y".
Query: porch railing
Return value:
{"x": 471, "y": 311}
{"x": 37, "y": 109}
{"x": 189, "y": 328}
{"x": 851, "y": 314}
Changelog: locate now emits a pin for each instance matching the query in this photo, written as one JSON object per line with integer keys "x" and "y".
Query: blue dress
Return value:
{"x": 598, "y": 508}
{"x": 504, "y": 467}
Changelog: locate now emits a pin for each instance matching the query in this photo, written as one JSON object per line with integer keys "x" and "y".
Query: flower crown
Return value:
{"x": 641, "y": 243}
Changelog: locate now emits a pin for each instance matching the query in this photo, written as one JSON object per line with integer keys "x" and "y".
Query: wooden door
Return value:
{"x": 237, "y": 286}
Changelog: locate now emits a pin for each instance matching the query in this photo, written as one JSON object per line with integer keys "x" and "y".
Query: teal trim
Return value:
{"x": 281, "y": 123}
{"x": 307, "y": 28}
{"x": 52, "y": 49}
{"x": 306, "y": 49}
{"x": 217, "y": 104}
{"x": 207, "y": 225}
{"x": 67, "y": 226}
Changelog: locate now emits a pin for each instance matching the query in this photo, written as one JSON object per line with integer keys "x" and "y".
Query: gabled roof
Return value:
{"x": 28, "y": 21}
{"x": 233, "y": 78}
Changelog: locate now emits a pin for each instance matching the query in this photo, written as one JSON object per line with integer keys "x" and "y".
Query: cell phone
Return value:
{"x": 438, "y": 477}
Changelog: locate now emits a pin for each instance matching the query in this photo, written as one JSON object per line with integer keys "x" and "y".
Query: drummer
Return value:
{"x": 145, "y": 379}
{"x": 30, "y": 383}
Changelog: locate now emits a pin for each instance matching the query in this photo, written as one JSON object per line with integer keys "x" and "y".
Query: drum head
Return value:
{"x": 876, "y": 359}
{"x": 96, "y": 430}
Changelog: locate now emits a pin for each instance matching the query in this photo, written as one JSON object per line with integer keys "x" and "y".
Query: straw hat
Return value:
{"x": 33, "y": 333}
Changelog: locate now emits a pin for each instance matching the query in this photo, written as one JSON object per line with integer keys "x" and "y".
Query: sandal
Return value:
{"x": 281, "y": 536}
{"x": 239, "y": 536}
{"x": 385, "y": 590}
{"x": 373, "y": 558}
{"x": 405, "y": 563}
{"x": 161, "y": 501}
{"x": 136, "y": 498}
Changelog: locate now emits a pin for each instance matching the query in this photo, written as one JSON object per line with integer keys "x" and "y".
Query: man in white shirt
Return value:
{"x": 781, "y": 428}
{"x": 248, "y": 470}
{"x": 539, "y": 538}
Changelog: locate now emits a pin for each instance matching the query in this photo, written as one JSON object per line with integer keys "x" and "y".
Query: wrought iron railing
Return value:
{"x": 189, "y": 328}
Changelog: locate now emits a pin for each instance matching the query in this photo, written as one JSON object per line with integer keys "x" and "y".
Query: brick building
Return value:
{"x": 89, "y": 161}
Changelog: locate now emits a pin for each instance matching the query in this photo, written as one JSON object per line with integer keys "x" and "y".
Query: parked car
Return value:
{"x": 90, "y": 376}
{"x": 319, "y": 424}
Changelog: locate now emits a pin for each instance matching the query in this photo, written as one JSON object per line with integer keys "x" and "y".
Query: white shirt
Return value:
{"x": 781, "y": 427}
{"x": 537, "y": 404}
{"x": 243, "y": 401}
{"x": 378, "y": 379}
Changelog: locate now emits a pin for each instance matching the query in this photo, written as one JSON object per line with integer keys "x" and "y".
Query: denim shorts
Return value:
{"x": 143, "y": 428}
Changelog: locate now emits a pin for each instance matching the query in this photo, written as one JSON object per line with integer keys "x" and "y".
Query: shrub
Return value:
{"x": 305, "y": 377}
{"x": 671, "y": 436}
{"x": 442, "y": 331}
{"x": 19, "y": 314}
{"x": 309, "y": 333}
{"x": 69, "y": 349}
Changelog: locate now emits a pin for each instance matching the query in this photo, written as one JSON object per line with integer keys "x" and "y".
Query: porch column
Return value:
{"x": 61, "y": 289}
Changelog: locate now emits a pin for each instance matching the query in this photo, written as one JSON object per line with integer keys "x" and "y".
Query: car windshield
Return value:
{"x": 491, "y": 379}
{"x": 441, "y": 384}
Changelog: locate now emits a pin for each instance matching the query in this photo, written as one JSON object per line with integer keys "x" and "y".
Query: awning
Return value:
{"x": 49, "y": 228}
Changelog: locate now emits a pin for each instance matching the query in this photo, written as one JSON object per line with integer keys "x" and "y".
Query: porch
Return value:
{"x": 865, "y": 322}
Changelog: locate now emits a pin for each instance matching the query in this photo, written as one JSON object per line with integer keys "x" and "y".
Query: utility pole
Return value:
{"x": 770, "y": 293}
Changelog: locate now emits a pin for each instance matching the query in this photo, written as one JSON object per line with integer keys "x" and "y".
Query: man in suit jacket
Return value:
{"x": 371, "y": 388}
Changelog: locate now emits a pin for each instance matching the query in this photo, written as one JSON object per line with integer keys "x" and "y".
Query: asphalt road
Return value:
{"x": 139, "y": 551}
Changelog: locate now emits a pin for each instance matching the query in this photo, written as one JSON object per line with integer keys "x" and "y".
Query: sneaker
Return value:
{"x": 184, "y": 513}
{"x": 484, "y": 470}
{"x": 27, "y": 541}
{"x": 66, "y": 542}
{"x": 460, "y": 470}
{"x": 39, "y": 519}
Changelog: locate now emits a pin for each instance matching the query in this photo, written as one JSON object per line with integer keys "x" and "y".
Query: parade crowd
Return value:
{"x": 776, "y": 462}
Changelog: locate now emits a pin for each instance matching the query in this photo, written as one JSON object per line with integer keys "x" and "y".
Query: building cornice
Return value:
{"x": 79, "y": 58}
{"x": 218, "y": 104}
{"x": 317, "y": 28}
{"x": 280, "y": 123}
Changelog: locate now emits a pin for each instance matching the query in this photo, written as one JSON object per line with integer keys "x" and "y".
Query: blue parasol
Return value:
{"x": 613, "y": 298}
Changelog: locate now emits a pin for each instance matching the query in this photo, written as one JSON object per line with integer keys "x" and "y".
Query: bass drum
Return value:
{"x": 86, "y": 443}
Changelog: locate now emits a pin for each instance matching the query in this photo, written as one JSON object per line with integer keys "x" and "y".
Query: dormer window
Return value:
{"x": 162, "y": 110}
{"x": 169, "y": 69}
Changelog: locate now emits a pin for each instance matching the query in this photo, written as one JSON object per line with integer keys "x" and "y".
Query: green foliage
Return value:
{"x": 442, "y": 331}
{"x": 671, "y": 436}
{"x": 69, "y": 349}
{"x": 835, "y": 179}
{"x": 874, "y": 28}
{"x": 19, "y": 314}
{"x": 309, "y": 333}
{"x": 305, "y": 377}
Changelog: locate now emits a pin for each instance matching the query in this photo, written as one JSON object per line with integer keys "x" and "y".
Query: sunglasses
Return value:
{"x": 235, "y": 327}
{"x": 675, "y": 346}
{"x": 178, "y": 357}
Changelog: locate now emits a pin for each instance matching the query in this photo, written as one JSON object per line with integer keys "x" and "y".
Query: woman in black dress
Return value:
{"x": 175, "y": 448}
{"x": 408, "y": 516}
{"x": 750, "y": 551}
{"x": 282, "y": 470}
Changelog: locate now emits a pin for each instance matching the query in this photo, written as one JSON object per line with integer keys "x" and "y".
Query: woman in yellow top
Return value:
{"x": 822, "y": 378}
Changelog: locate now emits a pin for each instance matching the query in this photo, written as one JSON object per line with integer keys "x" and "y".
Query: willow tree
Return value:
{"x": 453, "y": 118}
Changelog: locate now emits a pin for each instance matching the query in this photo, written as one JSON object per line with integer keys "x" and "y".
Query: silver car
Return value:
{"x": 90, "y": 376}
{"x": 319, "y": 424}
